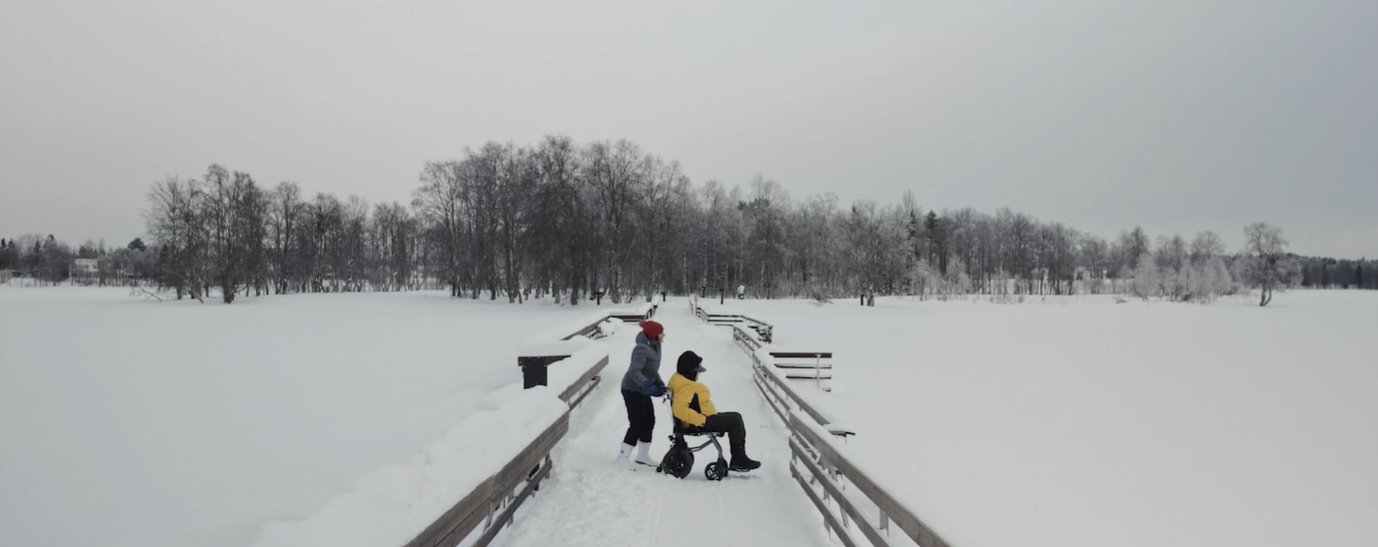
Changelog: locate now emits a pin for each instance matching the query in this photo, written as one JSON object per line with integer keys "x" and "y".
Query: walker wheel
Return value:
{"x": 677, "y": 464}
{"x": 715, "y": 471}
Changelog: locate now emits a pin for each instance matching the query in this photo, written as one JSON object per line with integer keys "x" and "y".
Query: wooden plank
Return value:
{"x": 860, "y": 518}
{"x": 809, "y": 377}
{"x": 593, "y": 384}
{"x": 506, "y": 515}
{"x": 799, "y": 401}
{"x": 802, "y": 354}
{"x": 461, "y": 518}
{"x": 773, "y": 405}
{"x": 792, "y": 366}
{"x": 899, "y": 514}
{"x": 574, "y": 388}
{"x": 823, "y": 508}
{"x": 516, "y": 471}
{"x": 586, "y": 330}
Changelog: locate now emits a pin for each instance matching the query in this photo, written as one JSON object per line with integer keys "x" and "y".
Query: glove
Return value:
{"x": 650, "y": 388}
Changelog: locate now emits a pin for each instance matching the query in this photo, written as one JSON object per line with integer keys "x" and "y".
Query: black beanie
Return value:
{"x": 689, "y": 365}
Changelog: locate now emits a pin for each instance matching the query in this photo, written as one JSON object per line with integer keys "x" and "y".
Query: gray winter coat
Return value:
{"x": 645, "y": 365}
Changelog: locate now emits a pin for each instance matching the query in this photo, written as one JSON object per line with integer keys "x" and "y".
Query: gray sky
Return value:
{"x": 1175, "y": 115}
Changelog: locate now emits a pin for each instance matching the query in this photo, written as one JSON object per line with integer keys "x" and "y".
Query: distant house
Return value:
{"x": 85, "y": 266}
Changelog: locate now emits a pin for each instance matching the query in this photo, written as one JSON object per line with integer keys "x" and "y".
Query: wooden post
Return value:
{"x": 818, "y": 371}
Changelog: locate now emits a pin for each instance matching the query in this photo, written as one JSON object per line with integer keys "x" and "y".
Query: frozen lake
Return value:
{"x": 1081, "y": 422}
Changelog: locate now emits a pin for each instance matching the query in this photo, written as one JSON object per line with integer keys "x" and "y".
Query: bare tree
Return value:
{"x": 571, "y": 221}
{"x": 173, "y": 221}
{"x": 1267, "y": 265}
{"x": 440, "y": 202}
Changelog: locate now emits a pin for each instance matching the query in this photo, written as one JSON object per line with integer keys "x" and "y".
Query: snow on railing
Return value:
{"x": 580, "y": 359}
{"x": 577, "y": 375}
{"x": 512, "y": 432}
{"x": 493, "y": 502}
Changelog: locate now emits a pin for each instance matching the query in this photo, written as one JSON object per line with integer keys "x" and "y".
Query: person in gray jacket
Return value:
{"x": 641, "y": 383}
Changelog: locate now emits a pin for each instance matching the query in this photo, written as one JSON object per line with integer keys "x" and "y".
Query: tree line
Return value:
{"x": 577, "y": 221}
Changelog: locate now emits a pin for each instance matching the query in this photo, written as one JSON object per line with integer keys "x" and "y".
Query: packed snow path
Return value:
{"x": 588, "y": 500}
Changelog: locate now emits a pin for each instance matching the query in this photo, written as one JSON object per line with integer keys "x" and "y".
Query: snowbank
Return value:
{"x": 161, "y": 424}
{"x": 392, "y": 505}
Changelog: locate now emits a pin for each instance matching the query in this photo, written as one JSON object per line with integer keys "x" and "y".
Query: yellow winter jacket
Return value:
{"x": 690, "y": 400}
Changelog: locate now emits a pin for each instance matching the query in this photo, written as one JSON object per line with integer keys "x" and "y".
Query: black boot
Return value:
{"x": 742, "y": 463}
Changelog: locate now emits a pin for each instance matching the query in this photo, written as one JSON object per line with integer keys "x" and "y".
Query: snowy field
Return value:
{"x": 1065, "y": 421}
{"x": 1080, "y": 422}
{"x": 149, "y": 424}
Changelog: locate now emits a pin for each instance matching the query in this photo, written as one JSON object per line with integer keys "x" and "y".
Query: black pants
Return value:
{"x": 641, "y": 414}
{"x": 730, "y": 423}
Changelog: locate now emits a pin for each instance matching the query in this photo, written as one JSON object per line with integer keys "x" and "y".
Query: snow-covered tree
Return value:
{"x": 1147, "y": 281}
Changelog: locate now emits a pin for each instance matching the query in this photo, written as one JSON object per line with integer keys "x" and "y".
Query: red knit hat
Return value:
{"x": 652, "y": 329}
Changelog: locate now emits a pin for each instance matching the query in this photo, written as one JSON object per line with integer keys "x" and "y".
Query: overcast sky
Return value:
{"x": 1175, "y": 115}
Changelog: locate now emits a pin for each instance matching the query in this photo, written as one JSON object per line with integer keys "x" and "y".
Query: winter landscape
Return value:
{"x": 1070, "y": 274}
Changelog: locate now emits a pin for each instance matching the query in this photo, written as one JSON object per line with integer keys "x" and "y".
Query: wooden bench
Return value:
{"x": 805, "y": 365}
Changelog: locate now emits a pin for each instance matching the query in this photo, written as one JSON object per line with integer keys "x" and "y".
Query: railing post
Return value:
{"x": 818, "y": 370}
{"x": 842, "y": 512}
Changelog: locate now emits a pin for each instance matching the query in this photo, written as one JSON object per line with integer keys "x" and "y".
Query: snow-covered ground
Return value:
{"x": 136, "y": 423}
{"x": 1081, "y": 422}
{"x": 1065, "y": 421}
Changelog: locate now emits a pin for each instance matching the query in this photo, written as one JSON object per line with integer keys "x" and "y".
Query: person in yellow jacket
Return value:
{"x": 692, "y": 406}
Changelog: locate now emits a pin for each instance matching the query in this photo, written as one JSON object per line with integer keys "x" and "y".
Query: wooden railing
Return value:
{"x": 818, "y": 466}
{"x": 494, "y": 502}
{"x": 626, "y": 316}
{"x": 828, "y": 475}
{"x": 777, "y": 389}
{"x": 764, "y": 330}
